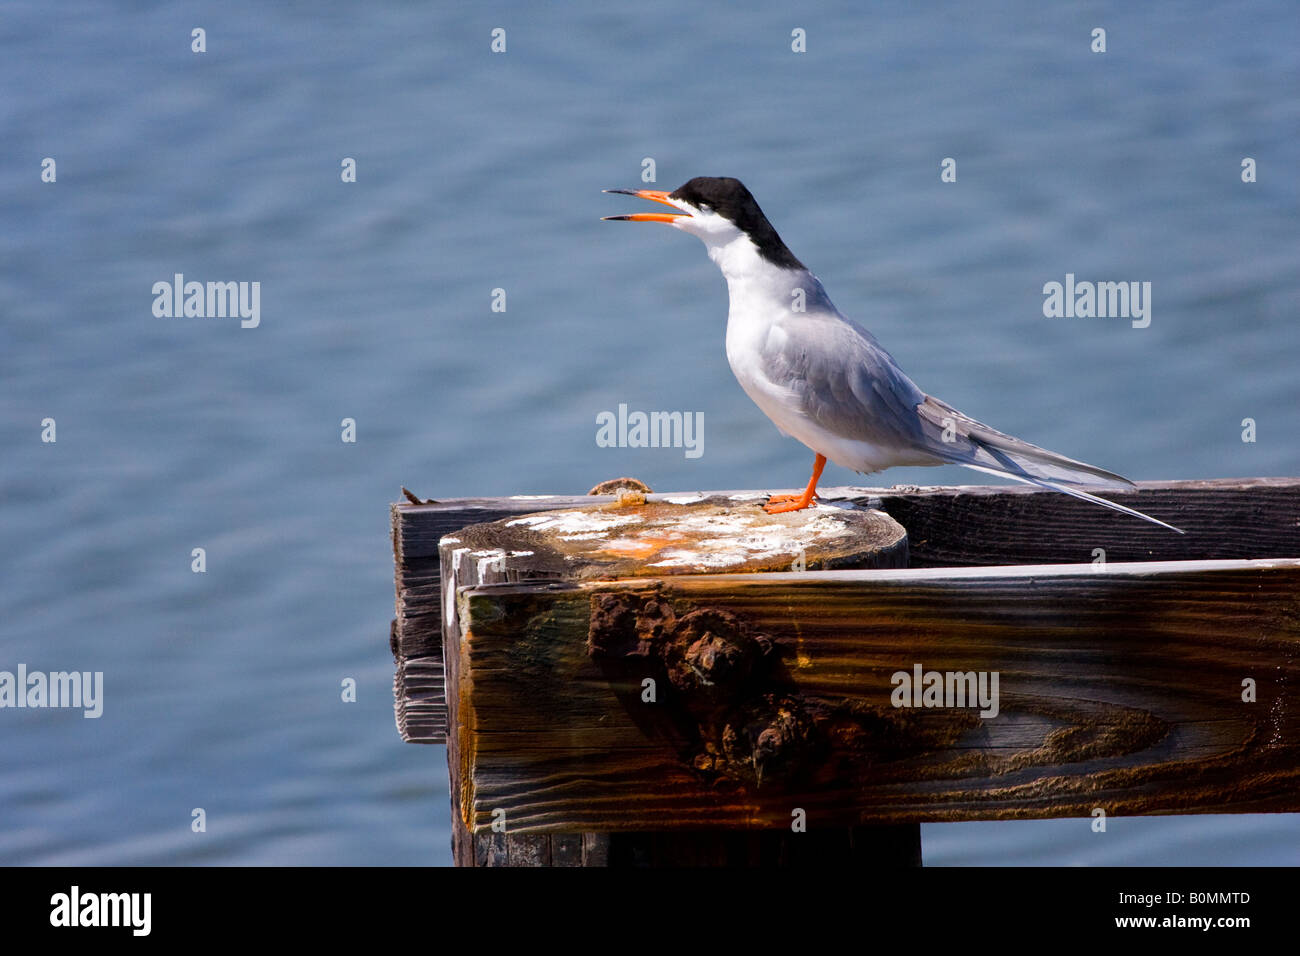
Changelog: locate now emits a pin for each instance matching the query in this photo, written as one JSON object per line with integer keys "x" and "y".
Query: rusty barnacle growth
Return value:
{"x": 713, "y": 654}
{"x": 724, "y": 705}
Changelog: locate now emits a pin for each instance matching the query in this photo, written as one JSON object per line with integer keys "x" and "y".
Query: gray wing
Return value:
{"x": 974, "y": 444}
{"x": 986, "y": 449}
{"x": 848, "y": 384}
{"x": 852, "y": 387}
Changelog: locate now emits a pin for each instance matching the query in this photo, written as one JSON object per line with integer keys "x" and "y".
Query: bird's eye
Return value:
{"x": 705, "y": 207}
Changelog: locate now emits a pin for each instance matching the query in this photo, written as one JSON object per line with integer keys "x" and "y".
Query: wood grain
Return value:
{"x": 1120, "y": 688}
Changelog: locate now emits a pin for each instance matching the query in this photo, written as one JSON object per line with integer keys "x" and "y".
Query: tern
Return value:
{"x": 824, "y": 379}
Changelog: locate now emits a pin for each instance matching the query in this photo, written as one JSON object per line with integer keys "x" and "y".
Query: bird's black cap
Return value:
{"x": 729, "y": 198}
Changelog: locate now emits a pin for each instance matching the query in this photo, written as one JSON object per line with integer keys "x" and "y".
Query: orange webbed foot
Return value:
{"x": 780, "y": 504}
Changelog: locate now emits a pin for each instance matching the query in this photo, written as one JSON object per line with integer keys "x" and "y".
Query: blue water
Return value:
{"x": 479, "y": 171}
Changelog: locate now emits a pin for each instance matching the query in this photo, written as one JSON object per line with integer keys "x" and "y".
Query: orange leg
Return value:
{"x": 779, "y": 504}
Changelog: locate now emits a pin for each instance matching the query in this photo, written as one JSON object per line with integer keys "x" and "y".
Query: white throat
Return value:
{"x": 737, "y": 257}
{"x": 759, "y": 290}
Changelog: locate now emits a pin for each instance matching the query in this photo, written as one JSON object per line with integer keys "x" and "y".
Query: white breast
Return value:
{"x": 754, "y": 328}
{"x": 761, "y": 298}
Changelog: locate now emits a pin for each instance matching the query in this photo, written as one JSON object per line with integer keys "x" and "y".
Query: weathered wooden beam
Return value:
{"x": 1120, "y": 687}
{"x": 955, "y": 526}
{"x": 997, "y": 525}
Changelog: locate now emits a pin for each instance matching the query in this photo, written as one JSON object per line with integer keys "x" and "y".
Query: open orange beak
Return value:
{"x": 654, "y": 195}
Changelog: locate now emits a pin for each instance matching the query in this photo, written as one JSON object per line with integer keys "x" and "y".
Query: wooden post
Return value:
{"x": 714, "y": 671}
